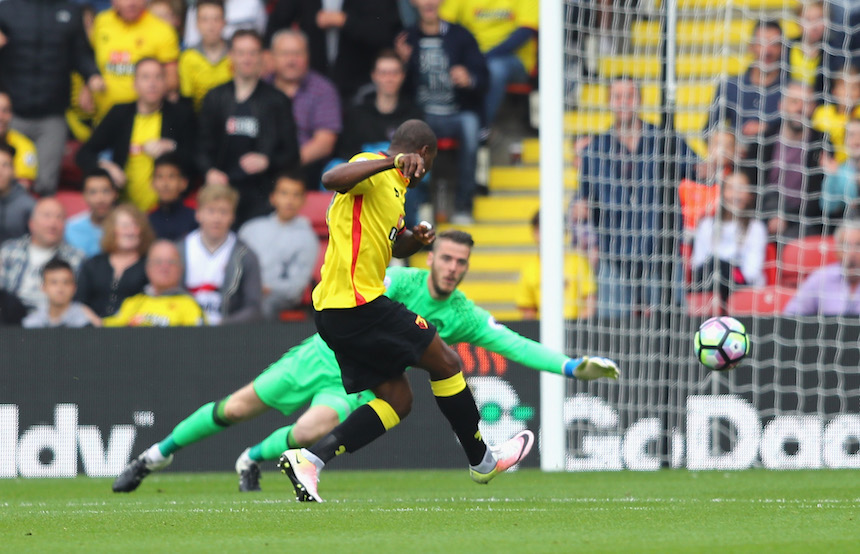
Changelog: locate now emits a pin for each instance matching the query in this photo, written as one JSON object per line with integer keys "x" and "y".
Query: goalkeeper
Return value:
{"x": 309, "y": 372}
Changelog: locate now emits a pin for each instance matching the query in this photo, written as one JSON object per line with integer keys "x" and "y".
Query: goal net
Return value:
{"x": 716, "y": 152}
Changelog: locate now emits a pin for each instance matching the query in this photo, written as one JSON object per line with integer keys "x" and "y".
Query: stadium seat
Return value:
{"x": 704, "y": 304}
{"x": 771, "y": 264}
{"x": 759, "y": 301}
{"x": 803, "y": 256}
{"x": 315, "y": 208}
{"x": 72, "y": 201}
{"x": 70, "y": 173}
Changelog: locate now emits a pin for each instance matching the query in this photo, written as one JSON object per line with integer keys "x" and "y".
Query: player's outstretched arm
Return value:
{"x": 341, "y": 178}
{"x": 498, "y": 338}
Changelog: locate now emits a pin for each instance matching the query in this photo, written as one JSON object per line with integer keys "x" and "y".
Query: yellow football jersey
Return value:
{"x": 140, "y": 167}
{"x": 579, "y": 284}
{"x": 363, "y": 224}
{"x": 26, "y": 163}
{"x": 170, "y": 310}
{"x": 198, "y": 75}
{"x": 492, "y": 21}
{"x": 119, "y": 45}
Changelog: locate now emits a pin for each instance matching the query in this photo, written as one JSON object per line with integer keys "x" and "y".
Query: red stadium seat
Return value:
{"x": 770, "y": 264}
{"x": 72, "y": 201}
{"x": 803, "y": 256}
{"x": 697, "y": 201}
{"x": 316, "y": 205}
{"x": 760, "y": 301}
{"x": 704, "y": 304}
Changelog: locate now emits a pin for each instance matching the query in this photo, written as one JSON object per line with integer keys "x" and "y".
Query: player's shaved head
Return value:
{"x": 412, "y": 136}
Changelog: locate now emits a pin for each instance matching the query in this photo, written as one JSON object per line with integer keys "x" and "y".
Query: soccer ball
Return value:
{"x": 721, "y": 343}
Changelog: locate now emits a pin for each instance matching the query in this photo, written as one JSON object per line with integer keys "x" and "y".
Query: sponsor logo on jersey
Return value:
{"x": 421, "y": 322}
{"x": 243, "y": 126}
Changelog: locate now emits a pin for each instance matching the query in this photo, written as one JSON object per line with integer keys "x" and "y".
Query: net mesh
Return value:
{"x": 715, "y": 189}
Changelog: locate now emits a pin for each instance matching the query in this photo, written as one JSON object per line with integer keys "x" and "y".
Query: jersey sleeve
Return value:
{"x": 168, "y": 46}
{"x": 186, "y": 85}
{"x": 367, "y": 184}
{"x": 481, "y": 329}
{"x": 527, "y": 14}
{"x": 26, "y": 163}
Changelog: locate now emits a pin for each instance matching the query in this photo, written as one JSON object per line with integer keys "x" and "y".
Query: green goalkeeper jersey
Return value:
{"x": 458, "y": 319}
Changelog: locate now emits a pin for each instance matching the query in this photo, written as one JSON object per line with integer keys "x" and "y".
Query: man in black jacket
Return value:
{"x": 132, "y": 135}
{"x": 342, "y": 43}
{"x": 247, "y": 131}
{"x": 786, "y": 167}
{"x": 41, "y": 43}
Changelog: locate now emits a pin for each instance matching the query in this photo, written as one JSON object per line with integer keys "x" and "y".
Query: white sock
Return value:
{"x": 244, "y": 461}
{"x": 313, "y": 458}
{"x": 487, "y": 464}
{"x": 153, "y": 455}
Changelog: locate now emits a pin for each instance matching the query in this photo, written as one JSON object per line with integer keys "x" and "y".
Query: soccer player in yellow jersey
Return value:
{"x": 206, "y": 65}
{"x": 374, "y": 338}
{"x": 121, "y": 37}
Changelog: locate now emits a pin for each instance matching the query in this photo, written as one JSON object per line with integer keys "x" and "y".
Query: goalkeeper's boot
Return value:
{"x": 507, "y": 454}
{"x": 249, "y": 473}
{"x": 588, "y": 368}
{"x": 303, "y": 473}
{"x": 136, "y": 470}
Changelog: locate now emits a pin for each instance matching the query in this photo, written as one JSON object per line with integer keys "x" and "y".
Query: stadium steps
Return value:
{"x": 704, "y": 32}
{"x": 524, "y": 178}
{"x": 687, "y": 67}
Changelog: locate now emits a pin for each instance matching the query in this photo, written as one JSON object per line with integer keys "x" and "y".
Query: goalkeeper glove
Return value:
{"x": 590, "y": 367}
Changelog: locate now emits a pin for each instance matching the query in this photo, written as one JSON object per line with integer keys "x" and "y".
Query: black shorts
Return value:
{"x": 374, "y": 342}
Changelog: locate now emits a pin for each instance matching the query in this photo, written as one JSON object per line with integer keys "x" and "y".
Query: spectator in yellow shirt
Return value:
{"x": 163, "y": 303}
{"x": 134, "y": 134}
{"x": 25, "y": 163}
{"x": 122, "y": 36}
{"x": 206, "y": 65}
{"x": 506, "y": 31}
{"x": 832, "y": 118}
{"x": 579, "y": 284}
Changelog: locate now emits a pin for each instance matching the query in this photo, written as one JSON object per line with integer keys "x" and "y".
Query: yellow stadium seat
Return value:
{"x": 523, "y": 178}
{"x": 689, "y": 95}
{"x": 505, "y": 208}
{"x": 687, "y": 66}
{"x": 497, "y": 234}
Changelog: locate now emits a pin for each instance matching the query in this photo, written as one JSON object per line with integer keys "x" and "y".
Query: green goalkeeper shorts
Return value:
{"x": 307, "y": 374}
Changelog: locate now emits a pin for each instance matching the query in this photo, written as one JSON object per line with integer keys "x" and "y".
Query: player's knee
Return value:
{"x": 236, "y": 411}
{"x": 306, "y": 433}
{"x": 402, "y": 405}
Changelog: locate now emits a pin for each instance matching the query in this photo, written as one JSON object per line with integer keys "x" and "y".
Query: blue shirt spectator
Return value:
{"x": 83, "y": 234}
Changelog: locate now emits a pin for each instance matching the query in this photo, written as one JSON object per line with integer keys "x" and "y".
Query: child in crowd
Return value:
{"x": 204, "y": 66}
{"x": 16, "y": 204}
{"x": 732, "y": 246}
{"x": 84, "y": 230}
{"x": 58, "y": 283}
{"x": 839, "y": 190}
{"x": 579, "y": 283}
{"x": 171, "y": 219}
{"x": 831, "y": 118}
{"x": 221, "y": 271}
{"x": 286, "y": 245}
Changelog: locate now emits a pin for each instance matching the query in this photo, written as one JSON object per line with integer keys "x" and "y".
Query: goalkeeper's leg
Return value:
{"x": 208, "y": 420}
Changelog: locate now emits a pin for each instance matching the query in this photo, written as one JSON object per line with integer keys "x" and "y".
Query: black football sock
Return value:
{"x": 363, "y": 426}
{"x": 457, "y": 404}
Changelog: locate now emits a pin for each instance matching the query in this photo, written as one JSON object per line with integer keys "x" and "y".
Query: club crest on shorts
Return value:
{"x": 421, "y": 322}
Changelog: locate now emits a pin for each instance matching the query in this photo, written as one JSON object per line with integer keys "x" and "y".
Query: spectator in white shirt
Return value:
{"x": 729, "y": 250}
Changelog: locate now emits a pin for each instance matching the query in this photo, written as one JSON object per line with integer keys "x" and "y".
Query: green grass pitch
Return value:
{"x": 442, "y": 511}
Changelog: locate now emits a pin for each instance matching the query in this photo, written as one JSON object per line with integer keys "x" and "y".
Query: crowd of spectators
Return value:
{"x": 201, "y": 125}
{"x": 780, "y": 168}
